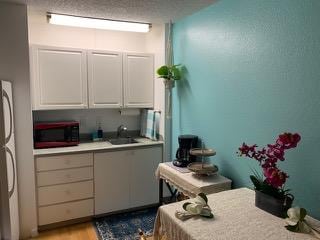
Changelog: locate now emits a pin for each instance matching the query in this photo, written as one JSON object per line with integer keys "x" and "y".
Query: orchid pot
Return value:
{"x": 275, "y": 206}
{"x": 271, "y": 195}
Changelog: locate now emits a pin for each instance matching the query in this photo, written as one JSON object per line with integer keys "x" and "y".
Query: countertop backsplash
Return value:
{"x": 87, "y": 137}
{"x": 89, "y": 119}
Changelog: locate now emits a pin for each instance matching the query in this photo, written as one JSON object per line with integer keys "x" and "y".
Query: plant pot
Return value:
{"x": 270, "y": 204}
{"x": 168, "y": 83}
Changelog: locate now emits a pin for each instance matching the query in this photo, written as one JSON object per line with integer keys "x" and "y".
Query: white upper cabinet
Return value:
{"x": 138, "y": 76}
{"x": 59, "y": 78}
{"x": 70, "y": 78}
{"x": 105, "y": 79}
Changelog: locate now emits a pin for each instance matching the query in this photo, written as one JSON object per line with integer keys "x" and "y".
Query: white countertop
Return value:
{"x": 95, "y": 146}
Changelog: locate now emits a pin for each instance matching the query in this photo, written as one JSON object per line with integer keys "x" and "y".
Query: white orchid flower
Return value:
{"x": 199, "y": 200}
{"x": 293, "y": 216}
{"x": 198, "y": 206}
{"x": 296, "y": 222}
{"x": 194, "y": 208}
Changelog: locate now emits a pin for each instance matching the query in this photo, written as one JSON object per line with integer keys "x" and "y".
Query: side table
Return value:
{"x": 188, "y": 183}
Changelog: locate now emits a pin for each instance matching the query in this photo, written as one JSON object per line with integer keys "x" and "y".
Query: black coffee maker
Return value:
{"x": 183, "y": 157}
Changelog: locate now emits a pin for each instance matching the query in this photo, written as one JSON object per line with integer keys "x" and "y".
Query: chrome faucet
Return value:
{"x": 121, "y": 129}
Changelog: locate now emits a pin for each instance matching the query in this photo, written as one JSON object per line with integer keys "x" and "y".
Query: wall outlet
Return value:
{"x": 83, "y": 122}
{"x": 34, "y": 232}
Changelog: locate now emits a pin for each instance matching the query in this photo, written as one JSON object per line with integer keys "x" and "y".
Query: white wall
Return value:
{"x": 155, "y": 43}
{"x": 40, "y": 32}
{"x": 14, "y": 66}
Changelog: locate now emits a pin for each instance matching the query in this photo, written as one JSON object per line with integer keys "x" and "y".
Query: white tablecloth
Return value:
{"x": 190, "y": 184}
{"x": 236, "y": 218}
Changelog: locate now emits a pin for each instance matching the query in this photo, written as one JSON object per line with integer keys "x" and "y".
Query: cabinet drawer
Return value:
{"x": 65, "y": 211}
{"x": 64, "y": 161}
{"x": 64, "y": 193}
{"x": 64, "y": 176}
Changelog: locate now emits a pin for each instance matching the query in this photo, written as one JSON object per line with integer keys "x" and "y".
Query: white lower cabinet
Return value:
{"x": 64, "y": 187}
{"x": 73, "y": 186}
{"x": 111, "y": 176}
{"x": 64, "y": 176}
{"x": 64, "y": 193}
{"x": 126, "y": 179}
{"x": 65, "y": 211}
{"x": 144, "y": 187}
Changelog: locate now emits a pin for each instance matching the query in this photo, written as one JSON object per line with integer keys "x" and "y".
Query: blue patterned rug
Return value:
{"x": 125, "y": 226}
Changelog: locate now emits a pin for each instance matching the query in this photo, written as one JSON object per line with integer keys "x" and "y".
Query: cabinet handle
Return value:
{"x": 68, "y": 192}
{"x": 67, "y": 162}
{"x": 68, "y": 211}
{"x": 68, "y": 176}
{"x": 6, "y": 96}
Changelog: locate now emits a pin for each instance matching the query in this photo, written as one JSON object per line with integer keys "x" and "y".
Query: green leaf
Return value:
{"x": 175, "y": 73}
{"x": 256, "y": 182}
{"x": 163, "y": 71}
{"x": 208, "y": 216}
{"x": 293, "y": 228}
{"x": 204, "y": 197}
{"x": 162, "y": 76}
{"x": 206, "y": 213}
{"x": 169, "y": 72}
{"x": 184, "y": 206}
{"x": 272, "y": 191}
{"x": 303, "y": 214}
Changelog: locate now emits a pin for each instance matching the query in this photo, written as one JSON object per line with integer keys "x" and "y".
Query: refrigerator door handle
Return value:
{"x": 5, "y": 95}
{"x": 11, "y": 191}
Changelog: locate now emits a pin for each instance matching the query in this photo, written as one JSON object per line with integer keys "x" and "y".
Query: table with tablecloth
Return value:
{"x": 236, "y": 218}
{"x": 189, "y": 183}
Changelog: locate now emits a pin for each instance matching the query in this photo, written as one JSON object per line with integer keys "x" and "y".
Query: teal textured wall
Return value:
{"x": 252, "y": 72}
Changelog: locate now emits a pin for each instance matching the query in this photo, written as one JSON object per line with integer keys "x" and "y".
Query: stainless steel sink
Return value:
{"x": 120, "y": 141}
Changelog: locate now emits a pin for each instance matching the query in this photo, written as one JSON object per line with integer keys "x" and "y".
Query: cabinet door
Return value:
{"x": 138, "y": 75}
{"x": 144, "y": 187}
{"x": 105, "y": 79}
{"x": 111, "y": 176}
{"x": 59, "y": 78}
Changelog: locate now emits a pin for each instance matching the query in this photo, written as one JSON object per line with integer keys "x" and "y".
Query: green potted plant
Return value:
{"x": 169, "y": 73}
{"x": 271, "y": 195}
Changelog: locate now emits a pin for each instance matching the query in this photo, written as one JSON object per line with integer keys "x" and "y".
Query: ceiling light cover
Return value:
{"x": 97, "y": 23}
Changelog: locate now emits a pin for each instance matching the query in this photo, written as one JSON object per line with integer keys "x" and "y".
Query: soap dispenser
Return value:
{"x": 100, "y": 132}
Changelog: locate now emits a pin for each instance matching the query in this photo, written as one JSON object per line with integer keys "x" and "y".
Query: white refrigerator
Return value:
{"x": 9, "y": 216}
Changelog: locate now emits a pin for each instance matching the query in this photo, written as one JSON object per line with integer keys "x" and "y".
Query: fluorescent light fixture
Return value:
{"x": 75, "y": 21}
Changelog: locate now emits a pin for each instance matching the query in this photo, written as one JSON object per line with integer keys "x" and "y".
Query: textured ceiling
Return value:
{"x": 153, "y": 11}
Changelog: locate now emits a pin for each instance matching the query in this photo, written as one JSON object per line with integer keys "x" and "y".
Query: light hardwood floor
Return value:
{"x": 83, "y": 231}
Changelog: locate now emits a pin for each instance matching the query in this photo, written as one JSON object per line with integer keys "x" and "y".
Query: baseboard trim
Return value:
{"x": 126, "y": 210}
{"x": 64, "y": 223}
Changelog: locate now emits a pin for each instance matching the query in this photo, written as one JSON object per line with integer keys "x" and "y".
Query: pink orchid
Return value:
{"x": 275, "y": 177}
{"x": 268, "y": 157}
{"x": 288, "y": 140}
